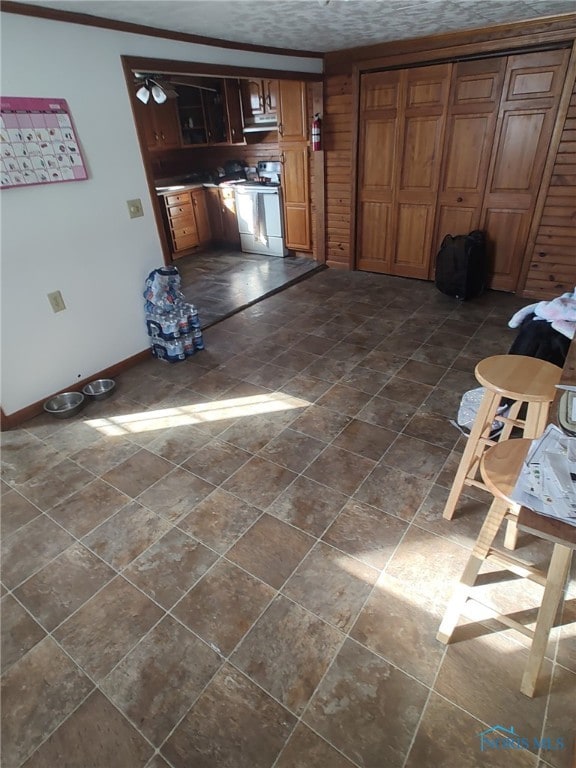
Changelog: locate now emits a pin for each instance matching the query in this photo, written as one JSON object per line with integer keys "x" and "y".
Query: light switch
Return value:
{"x": 135, "y": 208}
{"x": 56, "y": 301}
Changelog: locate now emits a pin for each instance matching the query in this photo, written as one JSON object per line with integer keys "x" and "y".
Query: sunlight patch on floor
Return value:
{"x": 196, "y": 413}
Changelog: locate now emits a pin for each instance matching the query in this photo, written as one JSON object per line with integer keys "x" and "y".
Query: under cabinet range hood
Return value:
{"x": 260, "y": 123}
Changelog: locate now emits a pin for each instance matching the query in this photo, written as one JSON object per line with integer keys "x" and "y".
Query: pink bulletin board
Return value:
{"x": 38, "y": 143}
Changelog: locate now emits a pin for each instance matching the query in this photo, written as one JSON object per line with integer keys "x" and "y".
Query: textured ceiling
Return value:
{"x": 314, "y": 25}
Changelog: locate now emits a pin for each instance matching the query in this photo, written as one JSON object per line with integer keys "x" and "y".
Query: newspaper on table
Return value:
{"x": 547, "y": 480}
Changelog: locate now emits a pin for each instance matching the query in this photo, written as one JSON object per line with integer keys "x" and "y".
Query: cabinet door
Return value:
{"x": 378, "y": 140}
{"x": 234, "y": 112}
{"x": 201, "y": 216}
{"x": 530, "y": 96}
{"x": 214, "y": 207}
{"x": 270, "y": 92}
{"x": 296, "y": 197}
{"x": 167, "y": 124}
{"x": 471, "y": 123}
{"x": 146, "y": 120}
{"x": 229, "y": 221}
{"x": 292, "y": 118}
{"x": 253, "y": 97}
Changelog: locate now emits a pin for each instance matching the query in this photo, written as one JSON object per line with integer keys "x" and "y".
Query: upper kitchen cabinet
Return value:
{"x": 292, "y": 113}
{"x": 260, "y": 99}
{"x": 210, "y": 112}
{"x": 159, "y": 123}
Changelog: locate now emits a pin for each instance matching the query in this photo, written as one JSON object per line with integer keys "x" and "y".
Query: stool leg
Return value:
{"x": 473, "y": 450}
{"x": 484, "y": 542}
{"x": 511, "y": 535}
{"x": 555, "y": 581}
{"x": 508, "y": 426}
{"x": 536, "y": 419}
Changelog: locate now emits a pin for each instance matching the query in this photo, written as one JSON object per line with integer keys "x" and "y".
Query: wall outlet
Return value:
{"x": 56, "y": 301}
{"x": 135, "y": 208}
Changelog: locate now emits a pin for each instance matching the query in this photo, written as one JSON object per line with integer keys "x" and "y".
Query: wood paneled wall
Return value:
{"x": 553, "y": 263}
{"x": 338, "y": 141}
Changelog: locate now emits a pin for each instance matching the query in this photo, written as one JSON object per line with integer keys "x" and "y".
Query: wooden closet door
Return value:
{"x": 425, "y": 99}
{"x": 530, "y": 96}
{"x": 473, "y": 109}
{"x": 379, "y": 107}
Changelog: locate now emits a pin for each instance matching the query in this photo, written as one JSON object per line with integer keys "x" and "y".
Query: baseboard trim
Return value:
{"x": 9, "y": 421}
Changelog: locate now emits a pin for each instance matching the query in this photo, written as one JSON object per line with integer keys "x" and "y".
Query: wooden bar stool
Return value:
{"x": 526, "y": 380}
{"x": 500, "y": 467}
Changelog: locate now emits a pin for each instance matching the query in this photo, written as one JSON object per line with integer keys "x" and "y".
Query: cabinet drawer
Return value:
{"x": 183, "y": 222}
{"x": 183, "y": 197}
{"x": 185, "y": 231}
{"x": 185, "y": 241}
{"x": 177, "y": 211}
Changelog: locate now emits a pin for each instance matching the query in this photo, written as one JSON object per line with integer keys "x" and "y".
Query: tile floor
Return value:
{"x": 240, "y": 561}
{"x": 220, "y": 282}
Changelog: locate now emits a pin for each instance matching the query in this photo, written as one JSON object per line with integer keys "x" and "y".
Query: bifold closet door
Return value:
{"x": 470, "y": 127}
{"x": 528, "y": 107}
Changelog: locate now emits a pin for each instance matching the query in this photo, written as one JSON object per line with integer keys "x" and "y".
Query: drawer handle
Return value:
{"x": 459, "y": 199}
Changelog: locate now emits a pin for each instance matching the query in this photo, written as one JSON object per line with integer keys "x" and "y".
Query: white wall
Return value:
{"x": 77, "y": 237}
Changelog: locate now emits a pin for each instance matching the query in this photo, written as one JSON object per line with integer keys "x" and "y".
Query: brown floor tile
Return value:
{"x": 175, "y": 494}
{"x": 292, "y": 450}
{"x": 427, "y": 353}
{"x": 157, "y": 762}
{"x": 96, "y": 734}
{"x": 482, "y": 675}
{"x": 107, "y": 627}
{"x": 107, "y": 452}
{"x": 328, "y": 369}
{"x": 178, "y": 443}
{"x": 365, "y": 379}
{"x": 567, "y": 639}
{"x": 270, "y": 550}
{"x": 433, "y": 429}
{"x": 458, "y": 381}
{"x": 321, "y": 423}
{"x": 428, "y": 564}
{"x": 443, "y": 338}
{"x": 450, "y": 738}
{"x": 405, "y": 392}
{"x": 305, "y": 749}
{"x": 259, "y": 482}
{"x": 339, "y": 469}
{"x": 424, "y": 373}
{"x": 387, "y": 413}
{"x": 216, "y": 461}
{"x": 393, "y": 491}
{"x": 160, "y": 679}
{"x": 401, "y": 626}
{"x": 16, "y": 512}
{"x": 89, "y": 507}
{"x": 464, "y": 526}
{"x": 255, "y": 732}
{"x": 168, "y": 568}
{"x": 125, "y": 535}
{"x": 65, "y": 584}
{"x": 24, "y": 456}
{"x": 73, "y": 437}
{"x": 308, "y": 505}
{"x": 19, "y": 631}
{"x": 368, "y": 440}
{"x": 138, "y": 472}
{"x": 295, "y": 358}
{"x": 306, "y": 386}
{"x": 223, "y": 606}
{"x": 31, "y": 548}
{"x": 219, "y": 520}
{"x": 560, "y": 719}
{"x": 367, "y": 708}
{"x": 384, "y": 361}
{"x": 287, "y": 652}
{"x": 254, "y": 432}
{"x": 366, "y": 533}
{"x": 331, "y": 585}
{"x": 38, "y": 692}
{"x": 416, "y": 457}
{"x": 52, "y": 485}
{"x": 344, "y": 399}
{"x": 443, "y": 402}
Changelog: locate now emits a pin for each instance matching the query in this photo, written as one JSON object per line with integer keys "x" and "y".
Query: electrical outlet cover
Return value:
{"x": 135, "y": 208}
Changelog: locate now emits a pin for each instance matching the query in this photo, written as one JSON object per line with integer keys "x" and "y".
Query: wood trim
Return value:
{"x": 72, "y": 17}
{"x": 499, "y": 38}
{"x": 548, "y": 170}
{"x": 353, "y": 257}
{"x": 319, "y": 190}
{"x": 15, "y": 419}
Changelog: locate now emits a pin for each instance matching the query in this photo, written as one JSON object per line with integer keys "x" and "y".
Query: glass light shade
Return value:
{"x": 143, "y": 94}
{"x": 158, "y": 94}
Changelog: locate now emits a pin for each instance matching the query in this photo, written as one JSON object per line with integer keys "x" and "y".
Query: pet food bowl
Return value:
{"x": 65, "y": 405}
{"x": 99, "y": 389}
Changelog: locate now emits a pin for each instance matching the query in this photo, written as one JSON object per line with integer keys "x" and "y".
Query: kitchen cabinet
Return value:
{"x": 187, "y": 220}
{"x": 450, "y": 148}
{"x": 294, "y": 155}
{"x": 221, "y": 207}
{"x": 210, "y": 112}
{"x": 198, "y": 197}
{"x": 235, "y": 121}
{"x": 260, "y": 99}
{"x": 159, "y": 124}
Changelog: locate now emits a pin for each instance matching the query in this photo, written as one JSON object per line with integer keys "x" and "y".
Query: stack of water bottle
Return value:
{"x": 173, "y": 324}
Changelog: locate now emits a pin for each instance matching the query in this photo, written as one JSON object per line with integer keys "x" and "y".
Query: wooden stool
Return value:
{"x": 500, "y": 467}
{"x": 526, "y": 380}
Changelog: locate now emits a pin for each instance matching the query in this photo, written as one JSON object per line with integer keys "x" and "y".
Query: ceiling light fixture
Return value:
{"x": 151, "y": 87}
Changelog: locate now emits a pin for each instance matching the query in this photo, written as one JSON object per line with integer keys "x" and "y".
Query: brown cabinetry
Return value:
{"x": 210, "y": 112}
{"x": 259, "y": 99}
{"x": 201, "y": 216}
{"x": 293, "y": 146}
{"x": 159, "y": 124}
{"x": 450, "y": 148}
{"x": 187, "y": 220}
{"x": 221, "y": 208}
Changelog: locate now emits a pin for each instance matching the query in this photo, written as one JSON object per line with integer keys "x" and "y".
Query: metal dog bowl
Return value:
{"x": 64, "y": 405}
{"x": 99, "y": 389}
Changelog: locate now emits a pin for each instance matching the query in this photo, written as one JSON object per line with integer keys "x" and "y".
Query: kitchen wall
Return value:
{"x": 77, "y": 237}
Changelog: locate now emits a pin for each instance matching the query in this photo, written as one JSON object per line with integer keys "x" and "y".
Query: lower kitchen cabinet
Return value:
{"x": 187, "y": 221}
{"x": 201, "y": 216}
{"x": 222, "y": 216}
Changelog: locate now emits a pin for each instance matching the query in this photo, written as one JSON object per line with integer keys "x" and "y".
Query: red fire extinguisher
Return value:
{"x": 316, "y": 133}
